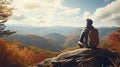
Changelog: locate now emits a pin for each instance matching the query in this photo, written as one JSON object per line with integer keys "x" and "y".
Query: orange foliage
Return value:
{"x": 114, "y": 40}
{"x": 13, "y": 56}
{"x": 36, "y": 60}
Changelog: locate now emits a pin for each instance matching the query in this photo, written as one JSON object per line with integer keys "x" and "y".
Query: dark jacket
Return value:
{"x": 84, "y": 36}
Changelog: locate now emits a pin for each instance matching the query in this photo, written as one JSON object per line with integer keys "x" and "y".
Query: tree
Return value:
{"x": 11, "y": 55}
{"x": 114, "y": 40}
{"x": 5, "y": 13}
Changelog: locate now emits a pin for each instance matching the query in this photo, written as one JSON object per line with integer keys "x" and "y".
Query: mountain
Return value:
{"x": 38, "y": 41}
{"x": 63, "y": 30}
{"x": 105, "y": 31}
{"x": 84, "y": 57}
{"x": 42, "y": 31}
{"x": 66, "y": 36}
{"x": 71, "y": 40}
{"x": 60, "y": 39}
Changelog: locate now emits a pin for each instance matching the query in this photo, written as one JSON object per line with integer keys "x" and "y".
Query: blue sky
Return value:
{"x": 43, "y": 13}
{"x": 89, "y": 5}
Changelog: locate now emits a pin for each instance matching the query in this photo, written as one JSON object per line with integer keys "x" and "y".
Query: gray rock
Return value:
{"x": 84, "y": 57}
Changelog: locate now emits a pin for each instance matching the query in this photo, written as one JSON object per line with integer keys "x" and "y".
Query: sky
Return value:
{"x": 72, "y": 13}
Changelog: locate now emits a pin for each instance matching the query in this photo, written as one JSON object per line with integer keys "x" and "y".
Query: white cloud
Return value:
{"x": 106, "y": 11}
{"x": 69, "y": 11}
{"x": 18, "y": 17}
{"x": 109, "y": 14}
{"x": 43, "y": 13}
{"x": 57, "y": 4}
{"x": 53, "y": 12}
{"x": 114, "y": 19}
{"x": 86, "y": 15}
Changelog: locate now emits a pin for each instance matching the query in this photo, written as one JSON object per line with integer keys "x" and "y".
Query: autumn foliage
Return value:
{"x": 114, "y": 40}
{"x": 5, "y": 13}
{"x": 11, "y": 55}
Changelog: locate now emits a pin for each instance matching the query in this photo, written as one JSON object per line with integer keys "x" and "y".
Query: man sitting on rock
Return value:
{"x": 89, "y": 37}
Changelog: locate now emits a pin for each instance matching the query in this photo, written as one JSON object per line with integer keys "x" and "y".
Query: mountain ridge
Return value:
{"x": 63, "y": 30}
{"x": 60, "y": 39}
{"x": 37, "y": 41}
{"x": 61, "y": 36}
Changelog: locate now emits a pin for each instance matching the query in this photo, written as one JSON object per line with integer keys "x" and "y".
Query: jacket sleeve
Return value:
{"x": 81, "y": 38}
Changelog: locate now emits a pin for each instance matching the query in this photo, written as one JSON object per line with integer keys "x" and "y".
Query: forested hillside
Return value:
{"x": 38, "y": 41}
{"x": 14, "y": 54}
{"x": 60, "y": 39}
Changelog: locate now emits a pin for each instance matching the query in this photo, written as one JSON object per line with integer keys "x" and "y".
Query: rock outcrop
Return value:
{"x": 84, "y": 57}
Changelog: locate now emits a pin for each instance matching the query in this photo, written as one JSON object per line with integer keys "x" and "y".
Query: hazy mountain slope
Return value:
{"x": 42, "y": 31}
{"x": 71, "y": 41}
{"x": 72, "y": 33}
{"x": 64, "y": 30}
{"x": 60, "y": 39}
{"x": 37, "y": 41}
{"x": 103, "y": 33}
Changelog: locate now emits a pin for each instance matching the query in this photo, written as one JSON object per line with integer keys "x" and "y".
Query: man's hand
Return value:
{"x": 80, "y": 44}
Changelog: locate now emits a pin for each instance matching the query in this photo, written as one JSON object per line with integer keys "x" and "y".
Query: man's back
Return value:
{"x": 89, "y": 36}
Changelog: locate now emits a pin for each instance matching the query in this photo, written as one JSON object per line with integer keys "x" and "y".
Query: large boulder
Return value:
{"x": 84, "y": 57}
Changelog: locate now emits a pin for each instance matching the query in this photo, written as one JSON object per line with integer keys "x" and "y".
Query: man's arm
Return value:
{"x": 81, "y": 39}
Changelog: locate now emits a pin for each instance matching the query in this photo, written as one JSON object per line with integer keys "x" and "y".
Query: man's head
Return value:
{"x": 89, "y": 22}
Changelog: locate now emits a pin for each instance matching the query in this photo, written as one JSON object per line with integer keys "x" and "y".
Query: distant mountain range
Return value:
{"x": 52, "y": 38}
{"x": 34, "y": 40}
{"x": 62, "y": 30}
{"x": 42, "y": 31}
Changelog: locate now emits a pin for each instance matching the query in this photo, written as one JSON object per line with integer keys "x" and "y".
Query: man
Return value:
{"x": 89, "y": 36}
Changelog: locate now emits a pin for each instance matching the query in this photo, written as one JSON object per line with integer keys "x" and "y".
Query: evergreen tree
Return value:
{"x": 5, "y": 13}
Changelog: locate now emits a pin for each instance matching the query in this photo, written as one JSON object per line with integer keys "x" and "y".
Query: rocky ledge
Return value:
{"x": 84, "y": 57}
